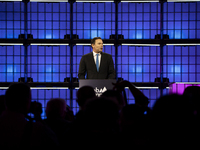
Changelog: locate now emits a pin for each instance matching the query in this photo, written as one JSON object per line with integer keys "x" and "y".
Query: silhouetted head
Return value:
{"x": 56, "y": 108}
{"x": 2, "y": 103}
{"x": 18, "y": 98}
{"x": 172, "y": 107}
{"x": 83, "y": 94}
{"x": 101, "y": 114}
{"x": 115, "y": 95}
{"x": 173, "y": 121}
{"x": 193, "y": 93}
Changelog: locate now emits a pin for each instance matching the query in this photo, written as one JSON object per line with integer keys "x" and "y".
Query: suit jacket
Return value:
{"x": 87, "y": 66}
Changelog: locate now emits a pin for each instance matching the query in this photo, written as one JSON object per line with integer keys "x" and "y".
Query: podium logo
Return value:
{"x": 99, "y": 91}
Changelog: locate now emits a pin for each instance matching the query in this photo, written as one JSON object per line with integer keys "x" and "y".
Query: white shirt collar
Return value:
{"x": 94, "y": 54}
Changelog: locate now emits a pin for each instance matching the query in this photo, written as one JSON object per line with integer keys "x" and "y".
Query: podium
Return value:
{"x": 179, "y": 87}
{"x": 99, "y": 85}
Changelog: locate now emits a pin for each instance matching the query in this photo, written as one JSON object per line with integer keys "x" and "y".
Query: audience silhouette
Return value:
{"x": 56, "y": 119}
{"x": 172, "y": 122}
{"x": 83, "y": 94}
{"x": 15, "y": 130}
{"x": 193, "y": 94}
{"x": 134, "y": 118}
{"x": 99, "y": 126}
{"x": 2, "y": 103}
{"x": 115, "y": 96}
{"x": 134, "y": 126}
{"x": 107, "y": 121}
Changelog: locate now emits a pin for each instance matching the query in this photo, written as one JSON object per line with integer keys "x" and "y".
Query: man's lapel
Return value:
{"x": 102, "y": 61}
{"x": 92, "y": 61}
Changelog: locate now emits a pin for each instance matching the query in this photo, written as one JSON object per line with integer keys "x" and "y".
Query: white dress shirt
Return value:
{"x": 94, "y": 55}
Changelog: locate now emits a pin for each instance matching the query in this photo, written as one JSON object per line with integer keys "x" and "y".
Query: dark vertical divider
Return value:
{"x": 116, "y": 39}
{"x": 25, "y": 40}
{"x": 71, "y": 52}
{"x": 161, "y": 48}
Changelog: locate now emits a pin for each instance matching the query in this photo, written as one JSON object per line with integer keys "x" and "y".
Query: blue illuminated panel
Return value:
{"x": 11, "y": 63}
{"x": 94, "y": 19}
{"x": 48, "y": 20}
{"x": 181, "y": 20}
{"x": 181, "y": 63}
{"x": 49, "y": 64}
{"x": 139, "y": 64}
{"x": 139, "y": 20}
{"x": 11, "y": 19}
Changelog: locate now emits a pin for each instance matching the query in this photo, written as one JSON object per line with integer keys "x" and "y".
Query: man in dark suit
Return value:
{"x": 97, "y": 64}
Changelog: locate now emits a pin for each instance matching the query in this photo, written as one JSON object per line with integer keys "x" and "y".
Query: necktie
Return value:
{"x": 97, "y": 62}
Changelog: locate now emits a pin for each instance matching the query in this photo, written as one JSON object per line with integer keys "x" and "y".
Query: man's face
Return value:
{"x": 98, "y": 46}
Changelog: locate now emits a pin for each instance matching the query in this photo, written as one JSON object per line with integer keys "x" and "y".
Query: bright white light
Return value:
{"x": 144, "y": 87}
{"x": 49, "y": 0}
{"x": 147, "y": 87}
{"x": 11, "y": 43}
{"x": 137, "y": 1}
{"x": 183, "y": 0}
{"x": 142, "y": 44}
{"x": 43, "y": 88}
{"x": 188, "y": 82}
{"x": 184, "y": 44}
{"x": 64, "y": 88}
{"x": 49, "y": 44}
{"x": 10, "y": 0}
{"x": 49, "y": 88}
{"x": 83, "y": 44}
{"x": 108, "y": 44}
{"x": 3, "y": 88}
{"x": 93, "y": 1}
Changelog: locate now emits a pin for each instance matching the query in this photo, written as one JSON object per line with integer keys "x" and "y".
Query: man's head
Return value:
{"x": 83, "y": 94}
{"x": 18, "y": 98}
{"x": 56, "y": 108}
{"x": 97, "y": 44}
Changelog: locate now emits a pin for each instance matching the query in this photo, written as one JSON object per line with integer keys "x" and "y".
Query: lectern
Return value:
{"x": 179, "y": 87}
{"x": 99, "y": 85}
